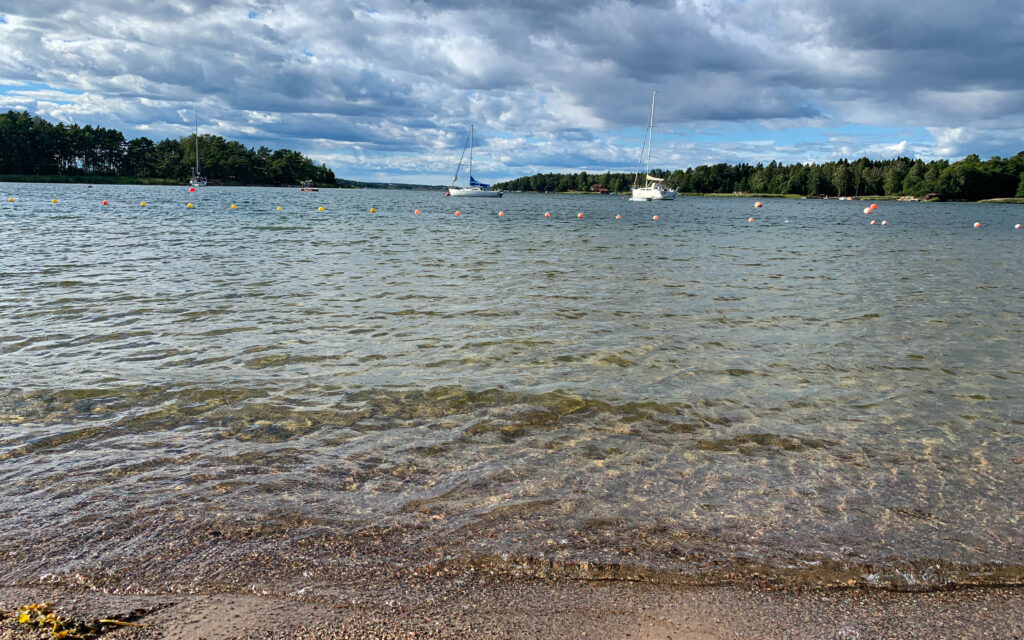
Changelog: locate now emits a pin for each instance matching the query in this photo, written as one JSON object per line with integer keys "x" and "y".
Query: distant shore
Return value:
{"x": 110, "y": 180}
{"x": 117, "y": 180}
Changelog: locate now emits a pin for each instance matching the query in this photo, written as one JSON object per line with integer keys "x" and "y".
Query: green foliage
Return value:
{"x": 968, "y": 179}
{"x": 32, "y": 146}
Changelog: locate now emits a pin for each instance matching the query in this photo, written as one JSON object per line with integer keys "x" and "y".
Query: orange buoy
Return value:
{"x": 757, "y": 205}
{"x": 654, "y": 218}
{"x": 501, "y": 214}
{"x": 750, "y": 219}
{"x": 618, "y": 217}
{"x": 458, "y": 213}
{"x": 54, "y": 201}
{"x": 547, "y": 214}
{"x": 580, "y": 215}
{"x": 191, "y": 189}
{"x": 874, "y": 206}
{"x": 104, "y": 202}
{"x": 872, "y": 222}
{"x": 867, "y": 210}
{"x": 372, "y": 210}
{"x": 234, "y": 206}
{"x": 141, "y": 204}
{"x": 977, "y": 224}
{"x": 1016, "y": 226}
{"x": 416, "y": 212}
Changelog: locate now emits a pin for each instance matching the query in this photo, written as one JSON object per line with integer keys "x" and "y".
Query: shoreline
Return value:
{"x": 474, "y": 606}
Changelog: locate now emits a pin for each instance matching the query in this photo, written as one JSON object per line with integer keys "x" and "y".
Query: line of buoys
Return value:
{"x": 547, "y": 214}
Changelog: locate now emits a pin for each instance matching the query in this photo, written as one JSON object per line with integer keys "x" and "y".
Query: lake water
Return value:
{"x": 700, "y": 396}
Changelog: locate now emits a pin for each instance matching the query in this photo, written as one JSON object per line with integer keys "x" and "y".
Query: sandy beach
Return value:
{"x": 467, "y": 606}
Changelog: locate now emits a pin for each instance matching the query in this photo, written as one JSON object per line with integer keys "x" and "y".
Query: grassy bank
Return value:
{"x": 1004, "y": 200}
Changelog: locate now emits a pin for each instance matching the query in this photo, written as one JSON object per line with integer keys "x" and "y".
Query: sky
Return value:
{"x": 385, "y": 90}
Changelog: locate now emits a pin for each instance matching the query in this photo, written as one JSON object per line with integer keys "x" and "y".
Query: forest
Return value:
{"x": 31, "y": 146}
{"x": 969, "y": 179}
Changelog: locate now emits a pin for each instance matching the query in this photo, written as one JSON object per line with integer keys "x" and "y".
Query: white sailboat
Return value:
{"x": 653, "y": 188}
{"x": 475, "y": 189}
{"x": 197, "y": 179}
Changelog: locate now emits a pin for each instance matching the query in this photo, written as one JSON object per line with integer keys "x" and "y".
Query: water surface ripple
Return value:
{"x": 670, "y": 396}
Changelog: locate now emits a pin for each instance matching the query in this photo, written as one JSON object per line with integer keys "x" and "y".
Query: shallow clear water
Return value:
{"x": 674, "y": 394}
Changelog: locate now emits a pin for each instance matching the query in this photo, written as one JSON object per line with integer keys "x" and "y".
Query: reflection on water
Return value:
{"x": 670, "y": 396}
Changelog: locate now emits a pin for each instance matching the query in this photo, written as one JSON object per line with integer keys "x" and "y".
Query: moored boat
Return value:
{"x": 197, "y": 179}
{"x": 475, "y": 189}
{"x": 652, "y": 188}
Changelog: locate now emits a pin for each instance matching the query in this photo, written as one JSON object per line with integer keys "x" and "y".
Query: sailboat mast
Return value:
{"x": 650, "y": 133}
{"x": 197, "y": 141}
{"x": 471, "y": 154}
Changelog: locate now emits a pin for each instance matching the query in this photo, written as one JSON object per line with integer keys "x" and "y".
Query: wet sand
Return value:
{"x": 464, "y": 606}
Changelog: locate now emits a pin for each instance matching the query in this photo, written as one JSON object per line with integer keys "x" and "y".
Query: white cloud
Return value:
{"x": 565, "y": 85}
{"x": 948, "y": 140}
{"x": 898, "y": 149}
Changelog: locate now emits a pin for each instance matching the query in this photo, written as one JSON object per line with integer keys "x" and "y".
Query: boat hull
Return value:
{"x": 473, "y": 193}
{"x": 646, "y": 194}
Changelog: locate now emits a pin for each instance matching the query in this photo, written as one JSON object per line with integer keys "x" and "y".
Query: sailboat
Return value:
{"x": 197, "y": 178}
{"x": 475, "y": 189}
{"x": 653, "y": 188}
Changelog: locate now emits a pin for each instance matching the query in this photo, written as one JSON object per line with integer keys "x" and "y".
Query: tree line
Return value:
{"x": 968, "y": 179}
{"x": 31, "y": 146}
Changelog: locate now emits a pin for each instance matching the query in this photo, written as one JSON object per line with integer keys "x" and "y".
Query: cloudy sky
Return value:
{"x": 386, "y": 89}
